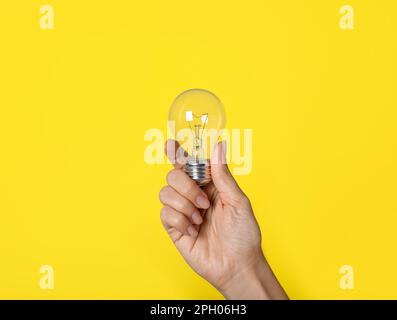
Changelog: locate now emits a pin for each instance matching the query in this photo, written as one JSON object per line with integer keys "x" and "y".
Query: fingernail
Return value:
{"x": 192, "y": 231}
{"x": 224, "y": 146}
{"x": 197, "y": 219}
{"x": 202, "y": 202}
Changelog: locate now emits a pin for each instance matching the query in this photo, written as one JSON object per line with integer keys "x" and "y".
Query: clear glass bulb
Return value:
{"x": 196, "y": 118}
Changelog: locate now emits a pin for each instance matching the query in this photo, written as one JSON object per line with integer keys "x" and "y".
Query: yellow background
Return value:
{"x": 75, "y": 102}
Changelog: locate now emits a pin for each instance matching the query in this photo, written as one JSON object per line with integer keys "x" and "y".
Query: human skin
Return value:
{"x": 215, "y": 230}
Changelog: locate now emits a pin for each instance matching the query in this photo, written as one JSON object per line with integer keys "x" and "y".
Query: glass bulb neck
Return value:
{"x": 198, "y": 152}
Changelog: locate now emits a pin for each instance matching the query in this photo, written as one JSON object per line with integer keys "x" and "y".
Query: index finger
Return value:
{"x": 175, "y": 153}
{"x": 189, "y": 189}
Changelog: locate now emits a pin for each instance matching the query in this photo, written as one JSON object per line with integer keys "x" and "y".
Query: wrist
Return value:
{"x": 254, "y": 282}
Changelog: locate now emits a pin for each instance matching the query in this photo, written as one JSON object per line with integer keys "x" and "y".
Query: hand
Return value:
{"x": 215, "y": 230}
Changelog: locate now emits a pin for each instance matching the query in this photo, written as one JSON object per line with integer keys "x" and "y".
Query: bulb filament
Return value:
{"x": 197, "y": 129}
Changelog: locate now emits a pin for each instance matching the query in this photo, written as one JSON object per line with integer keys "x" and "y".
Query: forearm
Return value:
{"x": 256, "y": 282}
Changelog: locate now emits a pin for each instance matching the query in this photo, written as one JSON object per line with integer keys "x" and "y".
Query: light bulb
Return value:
{"x": 198, "y": 118}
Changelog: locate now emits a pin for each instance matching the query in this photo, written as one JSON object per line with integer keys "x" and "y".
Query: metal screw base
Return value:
{"x": 199, "y": 171}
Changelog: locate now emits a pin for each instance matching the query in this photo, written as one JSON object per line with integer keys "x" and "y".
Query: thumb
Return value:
{"x": 221, "y": 175}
